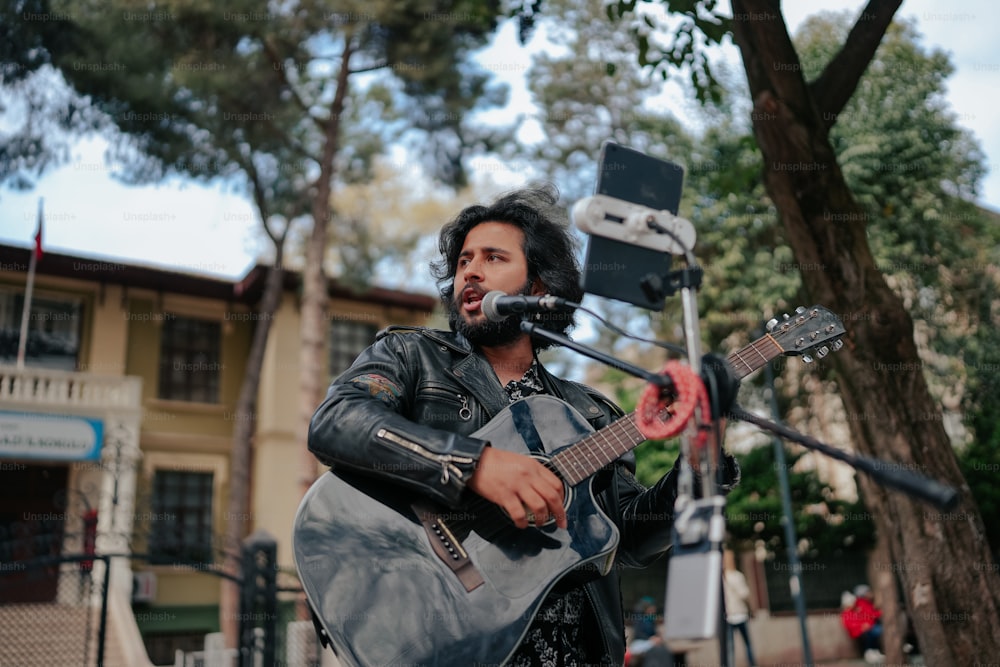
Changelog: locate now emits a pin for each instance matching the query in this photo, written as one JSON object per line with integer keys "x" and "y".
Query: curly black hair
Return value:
{"x": 549, "y": 246}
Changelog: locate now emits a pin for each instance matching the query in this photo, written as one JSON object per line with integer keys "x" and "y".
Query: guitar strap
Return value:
{"x": 324, "y": 638}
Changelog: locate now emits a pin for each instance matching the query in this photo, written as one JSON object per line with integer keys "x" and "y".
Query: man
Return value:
{"x": 406, "y": 409}
{"x": 644, "y": 618}
{"x": 736, "y": 594}
{"x": 863, "y": 621}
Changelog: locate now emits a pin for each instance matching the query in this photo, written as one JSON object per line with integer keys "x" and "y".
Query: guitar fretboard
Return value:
{"x": 598, "y": 449}
{"x": 581, "y": 460}
{"x": 748, "y": 359}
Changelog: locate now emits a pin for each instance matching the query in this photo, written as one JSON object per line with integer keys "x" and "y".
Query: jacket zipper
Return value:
{"x": 447, "y": 461}
{"x": 464, "y": 412}
{"x": 606, "y": 645}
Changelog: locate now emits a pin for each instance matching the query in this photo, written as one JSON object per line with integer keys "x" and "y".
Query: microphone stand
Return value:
{"x": 662, "y": 381}
{"x": 791, "y": 541}
{"x": 694, "y": 605}
{"x": 889, "y": 475}
{"x": 699, "y": 525}
{"x": 695, "y": 602}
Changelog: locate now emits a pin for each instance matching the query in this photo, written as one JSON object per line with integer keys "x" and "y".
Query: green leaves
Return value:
{"x": 671, "y": 37}
{"x": 823, "y": 524}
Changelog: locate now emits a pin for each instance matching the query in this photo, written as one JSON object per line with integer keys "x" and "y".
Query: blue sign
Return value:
{"x": 50, "y": 437}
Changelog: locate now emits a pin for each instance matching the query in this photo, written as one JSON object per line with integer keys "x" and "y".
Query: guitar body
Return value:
{"x": 376, "y": 578}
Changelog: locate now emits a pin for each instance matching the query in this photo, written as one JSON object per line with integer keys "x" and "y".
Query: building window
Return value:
{"x": 54, "y": 328}
{"x": 189, "y": 360}
{"x": 181, "y": 522}
{"x": 348, "y": 339}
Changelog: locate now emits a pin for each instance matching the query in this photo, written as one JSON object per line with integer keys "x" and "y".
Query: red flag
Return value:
{"x": 38, "y": 235}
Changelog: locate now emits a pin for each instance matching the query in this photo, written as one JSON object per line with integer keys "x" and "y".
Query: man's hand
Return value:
{"x": 521, "y": 486}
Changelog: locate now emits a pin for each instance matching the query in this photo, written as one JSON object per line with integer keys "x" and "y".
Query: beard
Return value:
{"x": 486, "y": 333}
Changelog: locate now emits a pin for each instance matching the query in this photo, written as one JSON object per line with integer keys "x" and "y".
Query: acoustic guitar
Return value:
{"x": 396, "y": 581}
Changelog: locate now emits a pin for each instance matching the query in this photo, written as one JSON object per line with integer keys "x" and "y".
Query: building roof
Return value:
{"x": 247, "y": 290}
{"x": 251, "y": 287}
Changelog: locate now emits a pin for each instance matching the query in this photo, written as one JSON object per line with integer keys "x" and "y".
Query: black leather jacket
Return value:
{"x": 405, "y": 411}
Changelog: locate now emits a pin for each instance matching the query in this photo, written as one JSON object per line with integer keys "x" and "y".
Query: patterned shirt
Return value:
{"x": 553, "y": 638}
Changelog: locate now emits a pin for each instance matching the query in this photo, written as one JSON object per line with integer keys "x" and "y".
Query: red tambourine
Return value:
{"x": 652, "y": 405}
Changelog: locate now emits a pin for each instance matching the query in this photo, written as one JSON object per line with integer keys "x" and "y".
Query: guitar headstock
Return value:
{"x": 809, "y": 331}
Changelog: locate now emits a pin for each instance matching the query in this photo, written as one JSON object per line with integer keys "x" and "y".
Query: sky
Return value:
{"x": 202, "y": 229}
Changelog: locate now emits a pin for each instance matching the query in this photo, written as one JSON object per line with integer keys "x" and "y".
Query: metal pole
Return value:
{"x": 259, "y": 599}
{"x": 102, "y": 629}
{"x": 795, "y": 578}
{"x": 22, "y": 341}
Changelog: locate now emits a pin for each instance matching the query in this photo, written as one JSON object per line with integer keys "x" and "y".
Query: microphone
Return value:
{"x": 498, "y": 305}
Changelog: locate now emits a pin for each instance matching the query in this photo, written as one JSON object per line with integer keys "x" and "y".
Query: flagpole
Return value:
{"x": 22, "y": 343}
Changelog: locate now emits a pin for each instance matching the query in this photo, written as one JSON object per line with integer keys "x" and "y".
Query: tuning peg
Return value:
{"x": 807, "y": 358}
{"x": 800, "y": 310}
{"x": 822, "y": 352}
{"x": 837, "y": 344}
{"x": 771, "y": 323}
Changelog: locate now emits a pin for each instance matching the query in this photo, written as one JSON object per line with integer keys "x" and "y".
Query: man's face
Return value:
{"x": 492, "y": 258}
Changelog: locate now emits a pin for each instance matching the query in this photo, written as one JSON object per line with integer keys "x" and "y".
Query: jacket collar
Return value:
{"x": 450, "y": 339}
{"x": 474, "y": 373}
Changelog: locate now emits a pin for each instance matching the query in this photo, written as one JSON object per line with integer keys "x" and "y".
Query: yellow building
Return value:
{"x": 124, "y": 412}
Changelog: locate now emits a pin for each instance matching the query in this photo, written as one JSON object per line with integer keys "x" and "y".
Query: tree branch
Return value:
{"x": 836, "y": 84}
{"x": 332, "y": 127}
{"x": 371, "y": 68}
{"x": 278, "y": 66}
{"x": 769, "y": 57}
{"x": 260, "y": 199}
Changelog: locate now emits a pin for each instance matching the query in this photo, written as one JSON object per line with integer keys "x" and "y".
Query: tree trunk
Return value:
{"x": 884, "y": 583}
{"x": 238, "y": 518}
{"x": 950, "y": 586}
{"x": 313, "y": 365}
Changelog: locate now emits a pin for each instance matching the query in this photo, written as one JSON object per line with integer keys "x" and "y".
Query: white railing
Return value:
{"x": 42, "y": 386}
{"x": 301, "y": 645}
{"x": 215, "y": 654}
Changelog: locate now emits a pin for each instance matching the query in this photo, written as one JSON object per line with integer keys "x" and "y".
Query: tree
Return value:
{"x": 387, "y": 221}
{"x": 826, "y": 228}
{"x": 264, "y": 93}
{"x": 129, "y": 90}
{"x": 913, "y": 170}
{"x": 589, "y": 90}
{"x": 980, "y": 460}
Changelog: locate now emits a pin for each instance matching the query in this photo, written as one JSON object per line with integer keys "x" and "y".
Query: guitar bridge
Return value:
{"x": 448, "y": 548}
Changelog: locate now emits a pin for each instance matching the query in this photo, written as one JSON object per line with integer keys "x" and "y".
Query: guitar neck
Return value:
{"x": 755, "y": 355}
{"x": 581, "y": 460}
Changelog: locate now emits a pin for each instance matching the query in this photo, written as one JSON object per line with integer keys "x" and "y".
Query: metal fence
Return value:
{"x": 53, "y": 611}
{"x": 823, "y": 581}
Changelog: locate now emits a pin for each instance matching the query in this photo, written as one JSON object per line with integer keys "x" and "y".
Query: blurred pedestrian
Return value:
{"x": 863, "y": 621}
{"x": 737, "y": 598}
{"x": 644, "y": 618}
